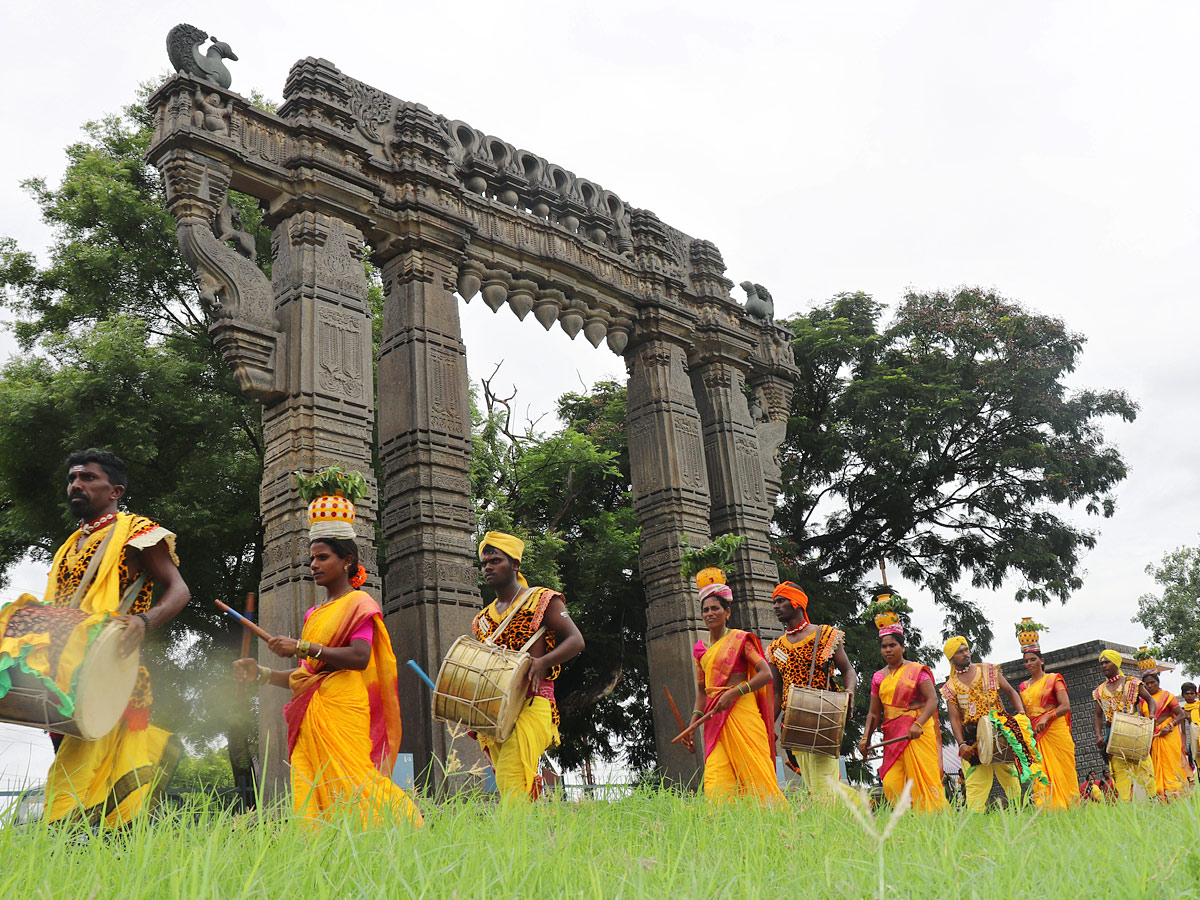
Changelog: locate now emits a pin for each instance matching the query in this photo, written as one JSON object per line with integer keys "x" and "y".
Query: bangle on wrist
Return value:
{"x": 145, "y": 619}
{"x": 697, "y": 712}
{"x": 317, "y": 655}
{"x": 303, "y": 648}
{"x": 264, "y": 675}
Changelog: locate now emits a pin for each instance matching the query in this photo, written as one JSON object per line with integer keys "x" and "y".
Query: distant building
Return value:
{"x": 1079, "y": 666}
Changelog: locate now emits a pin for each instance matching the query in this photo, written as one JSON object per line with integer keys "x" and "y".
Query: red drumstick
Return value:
{"x": 691, "y": 728}
{"x": 675, "y": 712}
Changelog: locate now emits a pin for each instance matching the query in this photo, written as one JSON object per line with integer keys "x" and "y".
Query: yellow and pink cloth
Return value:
{"x": 739, "y": 743}
{"x": 918, "y": 761}
{"x": 1057, "y": 747}
{"x": 343, "y": 725}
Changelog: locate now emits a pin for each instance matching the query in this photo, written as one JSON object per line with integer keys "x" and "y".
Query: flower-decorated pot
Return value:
{"x": 711, "y": 575}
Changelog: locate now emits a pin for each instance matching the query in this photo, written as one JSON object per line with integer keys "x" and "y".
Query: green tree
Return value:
{"x": 116, "y": 354}
{"x": 947, "y": 443}
{"x": 1174, "y": 618}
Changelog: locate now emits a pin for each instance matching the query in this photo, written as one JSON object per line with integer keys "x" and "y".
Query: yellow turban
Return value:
{"x": 505, "y": 543}
{"x": 1112, "y": 656}
{"x": 955, "y": 644}
{"x": 508, "y": 545}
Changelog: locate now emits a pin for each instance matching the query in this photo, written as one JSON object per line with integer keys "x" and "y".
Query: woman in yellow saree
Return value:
{"x": 1049, "y": 710}
{"x": 343, "y": 721}
{"x": 733, "y": 682}
{"x": 904, "y": 707}
{"x": 1166, "y": 750}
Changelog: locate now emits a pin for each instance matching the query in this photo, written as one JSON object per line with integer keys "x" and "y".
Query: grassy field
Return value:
{"x": 656, "y": 845}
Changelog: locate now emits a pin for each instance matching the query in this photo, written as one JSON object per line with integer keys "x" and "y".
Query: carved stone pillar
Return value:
{"x": 670, "y": 486}
{"x": 735, "y": 477}
{"x": 424, "y": 444}
{"x": 326, "y": 418}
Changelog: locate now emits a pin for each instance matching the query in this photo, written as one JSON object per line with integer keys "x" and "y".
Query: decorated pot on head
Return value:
{"x": 886, "y": 608}
{"x": 709, "y": 565}
{"x": 1146, "y": 663}
{"x": 331, "y": 494}
{"x": 1028, "y": 635}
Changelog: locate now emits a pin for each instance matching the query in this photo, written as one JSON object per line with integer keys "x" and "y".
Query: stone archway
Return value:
{"x": 449, "y": 211}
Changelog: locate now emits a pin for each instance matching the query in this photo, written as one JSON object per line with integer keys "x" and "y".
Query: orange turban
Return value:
{"x": 798, "y": 598}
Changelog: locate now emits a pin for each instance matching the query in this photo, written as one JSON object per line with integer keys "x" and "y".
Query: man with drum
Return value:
{"x": 972, "y": 691}
{"x": 515, "y": 760}
{"x": 804, "y": 656}
{"x": 109, "y": 567}
{"x": 1120, "y": 693}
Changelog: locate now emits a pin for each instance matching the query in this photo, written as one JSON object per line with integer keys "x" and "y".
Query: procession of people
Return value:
{"x": 343, "y": 719}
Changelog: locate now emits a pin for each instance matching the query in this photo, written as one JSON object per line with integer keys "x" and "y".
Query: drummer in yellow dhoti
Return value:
{"x": 1166, "y": 751}
{"x": 807, "y": 649}
{"x": 972, "y": 693}
{"x": 515, "y": 760}
{"x": 113, "y": 560}
{"x": 343, "y": 721}
{"x": 1049, "y": 709}
{"x": 1121, "y": 693}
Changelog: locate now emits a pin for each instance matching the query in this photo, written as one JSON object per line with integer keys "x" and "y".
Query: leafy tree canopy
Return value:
{"x": 1174, "y": 618}
{"x": 947, "y": 443}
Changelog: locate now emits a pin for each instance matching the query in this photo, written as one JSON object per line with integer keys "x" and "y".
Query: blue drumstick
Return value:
{"x": 425, "y": 678}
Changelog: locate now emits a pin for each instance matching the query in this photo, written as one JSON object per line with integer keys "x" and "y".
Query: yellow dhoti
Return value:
{"x": 113, "y": 779}
{"x": 819, "y": 773}
{"x": 1125, "y": 774}
{"x": 516, "y": 760}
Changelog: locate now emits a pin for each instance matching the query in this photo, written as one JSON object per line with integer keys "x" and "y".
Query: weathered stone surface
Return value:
{"x": 447, "y": 208}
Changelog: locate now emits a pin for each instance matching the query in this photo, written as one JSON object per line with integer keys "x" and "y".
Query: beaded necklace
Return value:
{"x": 87, "y": 529}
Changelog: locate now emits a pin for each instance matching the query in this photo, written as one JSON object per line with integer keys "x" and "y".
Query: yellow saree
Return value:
{"x": 918, "y": 761}
{"x": 1055, "y": 743}
{"x": 739, "y": 744}
{"x": 343, "y": 724}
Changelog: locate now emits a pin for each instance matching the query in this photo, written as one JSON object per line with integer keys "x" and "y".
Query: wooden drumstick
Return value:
{"x": 687, "y": 732}
{"x": 246, "y": 638}
{"x": 882, "y": 744}
{"x": 246, "y": 623}
{"x": 678, "y": 717}
{"x": 250, "y": 599}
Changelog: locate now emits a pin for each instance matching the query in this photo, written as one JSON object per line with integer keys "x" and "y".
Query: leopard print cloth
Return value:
{"x": 795, "y": 660}
{"x": 521, "y": 629}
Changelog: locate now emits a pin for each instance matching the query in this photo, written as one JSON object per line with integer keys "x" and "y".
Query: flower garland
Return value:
{"x": 1018, "y": 735}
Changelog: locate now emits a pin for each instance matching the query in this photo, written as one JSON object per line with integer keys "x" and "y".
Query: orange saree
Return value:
{"x": 344, "y": 725}
{"x": 1055, "y": 743}
{"x": 1166, "y": 751}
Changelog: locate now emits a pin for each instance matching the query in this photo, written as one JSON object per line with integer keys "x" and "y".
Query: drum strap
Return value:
{"x": 130, "y": 594}
{"x": 517, "y": 602}
{"x": 90, "y": 574}
{"x": 812, "y": 669}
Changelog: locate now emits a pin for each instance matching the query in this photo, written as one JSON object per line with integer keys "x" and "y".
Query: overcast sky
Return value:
{"x": 1046, "y": 150}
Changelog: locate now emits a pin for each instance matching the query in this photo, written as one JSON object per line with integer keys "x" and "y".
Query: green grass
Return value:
{"x": 655, "y": 845}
